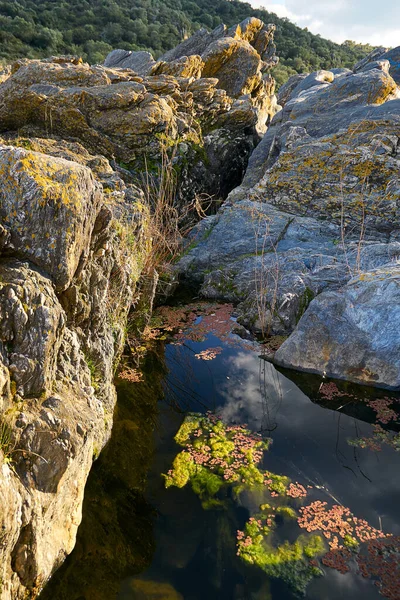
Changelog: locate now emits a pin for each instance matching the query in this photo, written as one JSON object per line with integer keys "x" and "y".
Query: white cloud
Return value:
{"x": 310, "y": 442}
{"x": 278, "y": 9}
{"x": 359, "y": 20}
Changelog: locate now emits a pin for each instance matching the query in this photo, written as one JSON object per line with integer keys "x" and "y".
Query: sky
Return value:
{"x": 365, "y": 21}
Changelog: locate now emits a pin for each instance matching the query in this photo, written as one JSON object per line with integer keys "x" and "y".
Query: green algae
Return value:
{"x": 286, "y": 512}
{"x": 313, "y": 546}
{"x": 350, "y": 542}
{"x": 289, "y": 562}
{"x": 215, "y": 457}
{"x": 206, "y": 485}
{"x": 279, "y": 483}
{"x": 183, "y": 468}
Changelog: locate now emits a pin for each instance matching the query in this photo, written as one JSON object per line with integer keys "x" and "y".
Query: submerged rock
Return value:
{"x": 143, "y": 589}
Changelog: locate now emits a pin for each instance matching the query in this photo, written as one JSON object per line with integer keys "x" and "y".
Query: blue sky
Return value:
{"x": 361, "y": 20}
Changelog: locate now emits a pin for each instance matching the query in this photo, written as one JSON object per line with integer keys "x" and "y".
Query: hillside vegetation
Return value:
{"x": 91, "y": 28}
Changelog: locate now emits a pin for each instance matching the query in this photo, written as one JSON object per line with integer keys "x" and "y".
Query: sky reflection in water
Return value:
{"x": 309, "y": 445}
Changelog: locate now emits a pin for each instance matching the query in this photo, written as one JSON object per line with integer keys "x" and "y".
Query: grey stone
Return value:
{"x": 139, "y": 61}
{"x": 372, "y": 56}
{"x": 285, "y": 91}
{"x": 379, "y": 55}
{"x": 196, "y": 44}
{"x": 352, "y": 333}
{"x": 381, "y": 65}
{"x": 393, "y": 56}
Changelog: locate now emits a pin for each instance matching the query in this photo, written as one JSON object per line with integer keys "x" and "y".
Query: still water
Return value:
{"x": 139, "y": 540}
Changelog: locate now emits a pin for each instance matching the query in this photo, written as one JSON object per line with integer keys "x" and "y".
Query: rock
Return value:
{"x": 372, "y": 56}
{"x": 353, "y": 172}
{"x": 265, "y": 259}
{"x": 186, "y": 66}
{"x": 305, "y": 83}
{"x": 382, "y": 65}
{"x": 64, "y": 302}
{"x": 140, "y": 62}
{"x": 195, "y": 45}
{"x": 5, "y": 74}
{"x": 49, "y": 207}
{"x": 309, "y": 164}
{"x": 153, "y": 590}
{"x": 69, "y": 266}
{"x": 285, "y": 91}
{"x": 31, "y": 321}
{"x": 351, "y": 333}
{"x": 393, "y": 56}
{"x": 313, "y": 224}
{"x": 132, "y": 109}
{"x": 235, "y": 64}
{"x": 378, "y": 56}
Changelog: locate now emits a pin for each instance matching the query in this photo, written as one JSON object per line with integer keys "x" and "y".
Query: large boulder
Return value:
{"x": 141, "y": 62}
{"x": 332, "y": 151}
{"x": 237, "y": 57}
{"x": 48, "y": 207}
{"x": 380, "y": 55}
{"x": 352, "y": 333}
{"x": 236, "y": 65}
{"x": 250, "y": 30}
{"x": 271, "y": 264}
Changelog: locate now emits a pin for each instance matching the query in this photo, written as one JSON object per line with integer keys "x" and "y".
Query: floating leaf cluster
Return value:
{"x": 385, "y": 414}
{"x": 340, "y": 527}
{"x": 329, "y": 391}
{"x": 382, "y": 562}
{"x": 208, "y": 354}
{"x": 216, "y": 455}
{"x": 131, "y": 375}
{"x": 194, "y": 322}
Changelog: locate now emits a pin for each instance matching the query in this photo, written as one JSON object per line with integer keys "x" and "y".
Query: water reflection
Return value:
{"x": 116, "y": 535}
{"x": 310, "y": 443}
{"x": 177, "y": 550}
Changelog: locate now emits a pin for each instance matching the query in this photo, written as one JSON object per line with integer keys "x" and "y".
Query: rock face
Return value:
{"x": 205, "y": 106}
{"x": 318, "y": 207}
{"x": 67, "y": 281}
{"x": 64, "y": 201}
